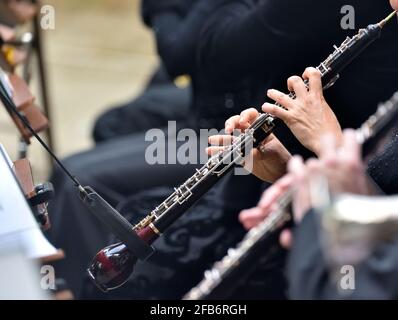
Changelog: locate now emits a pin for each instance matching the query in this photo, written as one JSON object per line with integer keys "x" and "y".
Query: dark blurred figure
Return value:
{"x": 149, "y": 110}
{"x": 177, "y": 25}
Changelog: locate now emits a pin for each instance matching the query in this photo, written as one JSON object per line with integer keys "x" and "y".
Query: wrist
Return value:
{"x": 316, "y": 146}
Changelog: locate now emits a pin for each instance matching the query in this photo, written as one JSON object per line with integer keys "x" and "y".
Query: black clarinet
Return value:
{"x": 240, "y": 262}
{"x": 113, "y": 265}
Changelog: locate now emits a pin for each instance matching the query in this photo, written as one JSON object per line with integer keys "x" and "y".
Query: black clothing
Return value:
{"x": 177, "y": 44}
{"x": 384, "y": 168}
{"x": 152, "y": 109}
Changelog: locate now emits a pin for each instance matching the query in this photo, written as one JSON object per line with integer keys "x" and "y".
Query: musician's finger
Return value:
{"x": 211, "y": 151}
{"x": 315, "y": 170}
{"x": 394, "y": 4}
{"x": 286, "y": 239}
{"x": 252, "y": 217}
{"x": 281, "y": 98}
{"x": 275, "y": 191}
{"x": 314, "y": 79}
{"x": 231, "y": 124}
{"x": 247, "y": 117}
{"x": 296, "y": 167}
{"x": 328, "y": 150}
{"x": 221, "y": 140}
{"x": 351, "y": 149}
{"x": 269, "y": 197}
{"x": 276, "y": 111}
{"x": 296, "y": 84}
{"x": 313, "y": 165}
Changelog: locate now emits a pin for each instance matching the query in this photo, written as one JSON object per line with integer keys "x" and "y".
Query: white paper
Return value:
{"x": 20, "y": 278}
{"x": 6, "y": 82}
{"x": 17, "y": 222}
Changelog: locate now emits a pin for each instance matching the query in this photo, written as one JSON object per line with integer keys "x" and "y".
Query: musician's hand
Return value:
{"x": 268, "y": 164}
{"x": 394, "y": 4}
{"x": 308, "y": 116}
{"x": 341, "y": 166}
{"x": 241, "y": 122}
{"x": 268, "y": 203}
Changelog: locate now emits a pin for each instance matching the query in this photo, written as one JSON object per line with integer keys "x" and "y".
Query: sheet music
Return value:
{"x": 17, "y": 223}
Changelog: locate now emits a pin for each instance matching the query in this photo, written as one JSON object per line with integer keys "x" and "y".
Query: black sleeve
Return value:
{"x": 383, "y": 166}
{"x": 177, "y": 37}
{"x": 241, "y": 37}
{"x": 306, "y": 269}
{"x": 309, "y": 276}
